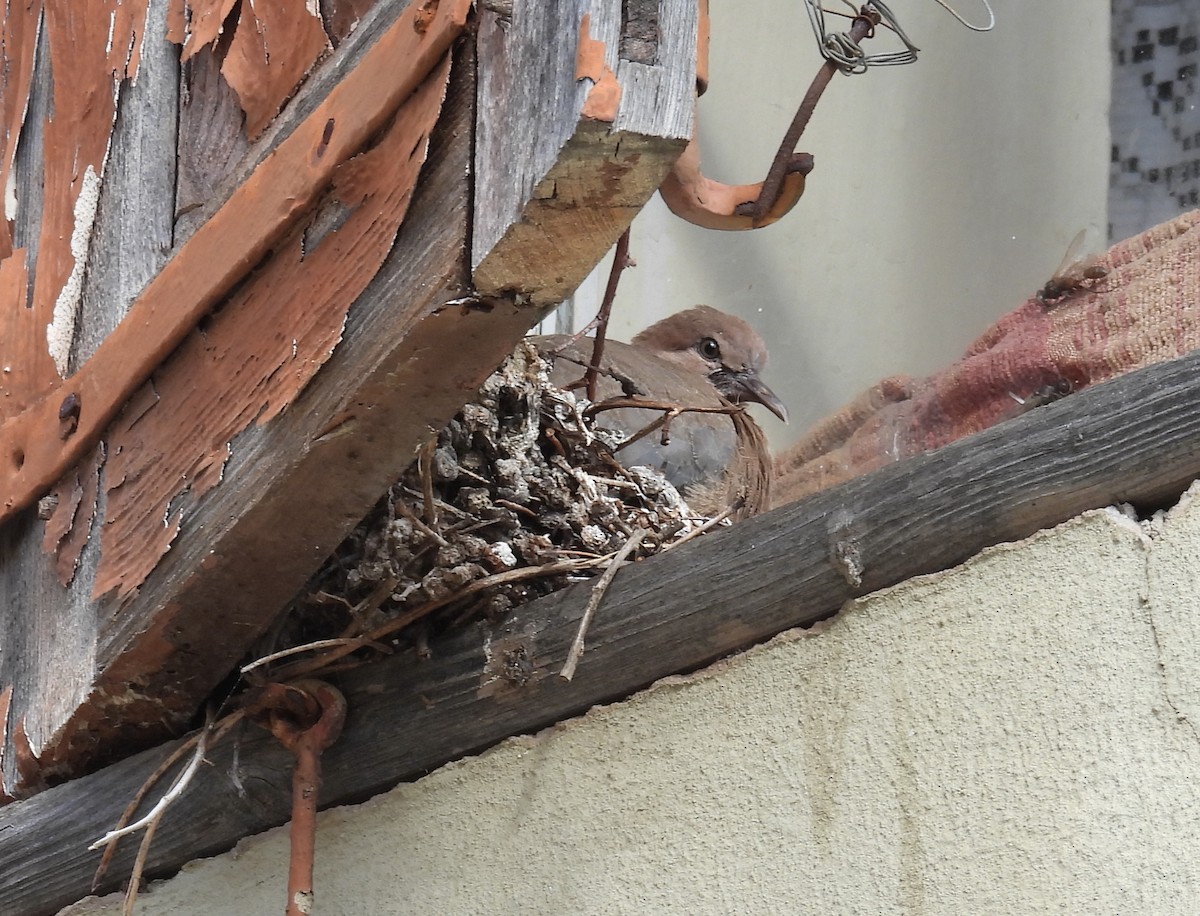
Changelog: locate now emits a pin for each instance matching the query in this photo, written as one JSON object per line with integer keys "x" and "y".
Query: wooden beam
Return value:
{"x": 1135, "y": 439}
{"x": 545, "y": 213}
{"x": 36, "y": 448}
{"x": 237, "y": 483}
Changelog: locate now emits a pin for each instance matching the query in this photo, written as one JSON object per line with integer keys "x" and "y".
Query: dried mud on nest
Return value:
{"x": 518, "y": 496}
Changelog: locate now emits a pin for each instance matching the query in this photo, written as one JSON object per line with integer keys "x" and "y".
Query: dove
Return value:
{"x": 700, "y": 357}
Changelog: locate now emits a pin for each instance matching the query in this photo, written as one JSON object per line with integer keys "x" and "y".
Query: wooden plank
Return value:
{"x": 222, "y": 250}
{"x": 416, "y": 343}
{"x": 134, "y": 229}
{"x": 77, "y": 719}
{"x": 53, "y": 632}
{"x": 1135, "y": 438}
{"x": 545, "y": 212}
{"x": 211, "y": 144}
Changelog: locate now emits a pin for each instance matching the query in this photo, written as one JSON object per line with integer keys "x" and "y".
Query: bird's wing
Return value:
{"x": 707, "y": 456}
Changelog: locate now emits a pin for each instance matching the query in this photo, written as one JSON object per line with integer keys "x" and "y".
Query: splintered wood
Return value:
{"x": 269, "y": 341}
{"x": 274, "y": 45}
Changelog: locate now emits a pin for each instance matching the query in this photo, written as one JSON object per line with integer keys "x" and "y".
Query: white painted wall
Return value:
{"x": 1015, "y": 736}
{"x": 945, "y": 192}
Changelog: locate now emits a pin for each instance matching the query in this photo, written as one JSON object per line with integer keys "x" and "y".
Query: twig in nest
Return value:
{"x": 517, "y": 507}
{"x": 598, "y": 590}
{"x": 310, "y": 646}
{"x": 368, "y": 605}
{"x": 627, "y": 485}
{"x": 301, "y": 669}
{"x": 620, "y": 262}
{"x": 425, "y": 529}
{"x": 708, "y": 525}
{"x": 442, "y": 504}
{"x": 599, "y": 324}
{"x": 669, "y": 413}
{"x": 425, "y": 466}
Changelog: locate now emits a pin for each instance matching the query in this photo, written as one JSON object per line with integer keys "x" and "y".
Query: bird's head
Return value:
{"x": 722, "y": 348}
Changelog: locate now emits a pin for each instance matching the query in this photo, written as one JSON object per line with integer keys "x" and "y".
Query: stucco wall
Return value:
{"x": 1014, "y": 736}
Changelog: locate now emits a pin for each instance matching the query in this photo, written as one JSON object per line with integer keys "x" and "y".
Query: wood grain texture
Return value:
{"x": 418, "y": 341}
{"x": 94, "y": 50}
{"x": 172, "y": 652}
{"x": 1136, "y": 439}
{"x": 134, "y": 228}
{"x": 211, "y": 144}
{"x": 599, "y": 134}
{"x": 49, "y": 645}
{"x": 25, "y": 367}
{"x": 18, "y": 44}
{"x": 252, "y": 358}
{"x": 281, "y": 190}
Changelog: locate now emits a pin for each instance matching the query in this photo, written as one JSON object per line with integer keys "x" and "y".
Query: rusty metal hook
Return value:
{"x": 306, "y": 717}
{"x": 714, "y": 205}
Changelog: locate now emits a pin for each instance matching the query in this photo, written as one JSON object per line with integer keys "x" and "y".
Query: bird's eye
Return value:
{"x": 709, "y": 348}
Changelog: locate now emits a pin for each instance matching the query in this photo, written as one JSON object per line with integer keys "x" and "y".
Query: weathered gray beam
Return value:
{"x": 545, "y": 213}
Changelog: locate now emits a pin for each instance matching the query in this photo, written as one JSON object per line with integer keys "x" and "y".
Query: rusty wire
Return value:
{"x": 844, "y": 51}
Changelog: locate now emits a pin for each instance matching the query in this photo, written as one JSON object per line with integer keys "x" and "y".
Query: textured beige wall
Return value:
{"x": 945, "y": 192}
{"x": 1014, "y": 736}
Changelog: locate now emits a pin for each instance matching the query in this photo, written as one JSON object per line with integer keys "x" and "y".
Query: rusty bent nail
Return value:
{"x": 68, "y": 414}
{"x": 306, "y": 717}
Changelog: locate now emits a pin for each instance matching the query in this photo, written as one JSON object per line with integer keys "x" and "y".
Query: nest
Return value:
{"x": 518, "y": 496}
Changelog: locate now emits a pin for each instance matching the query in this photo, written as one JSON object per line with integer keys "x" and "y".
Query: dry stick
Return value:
{"x": 424, "y": 465}
{"x": 598, "y": 590}
{"x": 861, "y": 28}
{"x": 425, "y": 529}
{"x": 595, "y": 322}
{"x": 310, "y": 646}
{"x": 139, "y": 866}
{"x": 173, "y": 793}
{"x": 150, "y": 821}
{"x": 706, "y": 527}
{"x": 669, "y": 412}
{"x": 369, "y": 604}
{"x": 620, "y": 262}
{"x": 222, "y": 726}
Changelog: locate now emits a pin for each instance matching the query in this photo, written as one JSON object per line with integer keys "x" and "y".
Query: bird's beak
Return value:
{"x": 747, "y": 386}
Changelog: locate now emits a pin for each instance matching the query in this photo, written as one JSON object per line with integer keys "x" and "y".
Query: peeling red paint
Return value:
{"x": 604, "y": 97}
{"x": 94, "y": 47}
{"x": 198, "y": 23}
{"x": 253, "y": 220}
{"x": 345, "y": 16}
{"x": 69, "y": 528}
{"x": 67, "y": 496}
{"x": 274, "y": 45}
{"x": 25, "y": 366}
{"x": 259, "y": 351}
{"x": 26, "y": 369}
